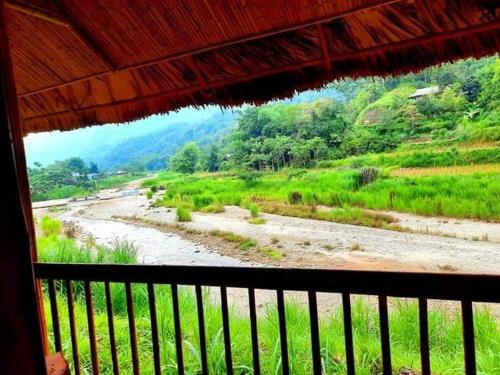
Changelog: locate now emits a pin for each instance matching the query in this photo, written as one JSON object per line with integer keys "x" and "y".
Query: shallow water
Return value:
{"x": 154, "y": 246}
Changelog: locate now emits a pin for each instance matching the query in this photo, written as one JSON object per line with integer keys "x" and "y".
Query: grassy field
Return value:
{"x": 453, "y": 170}
{"x": 444, "y": 326}
{"x": 474, "y": 196}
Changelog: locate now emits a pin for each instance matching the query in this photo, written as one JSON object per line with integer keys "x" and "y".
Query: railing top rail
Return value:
{"x": 449, "y": 286}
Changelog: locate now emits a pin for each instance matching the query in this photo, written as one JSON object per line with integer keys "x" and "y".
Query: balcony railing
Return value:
{"x": 464, "y": 288}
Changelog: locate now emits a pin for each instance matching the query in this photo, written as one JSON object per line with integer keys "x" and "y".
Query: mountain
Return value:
{"x": 96, "y": 140}
{"x": 149, "y": 141}
{"x": 154, "y": 149}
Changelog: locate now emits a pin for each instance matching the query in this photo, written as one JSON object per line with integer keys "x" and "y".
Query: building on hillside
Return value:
{"x": 426, "y": 91}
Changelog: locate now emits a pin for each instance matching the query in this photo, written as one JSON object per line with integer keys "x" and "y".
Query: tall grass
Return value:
{"x": 444, "y": 327}
{"x": 50, "y": 226}
{"x": 471, "y": 196}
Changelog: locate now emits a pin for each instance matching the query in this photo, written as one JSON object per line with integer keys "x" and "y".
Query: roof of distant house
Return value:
{"x": 425, "y": 91}
{"x": 79, "y": 63}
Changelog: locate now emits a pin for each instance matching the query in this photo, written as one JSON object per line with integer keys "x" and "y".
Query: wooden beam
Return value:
{"x": 21, "y": 338}
{"x": 36, "y": 12}
{"x": 217, "y": 46}
{"x": 68, "y": 22}
{"x": 90, "y": 41}
{"x": 215, "y": 84}
{"x": 325, "y": 49}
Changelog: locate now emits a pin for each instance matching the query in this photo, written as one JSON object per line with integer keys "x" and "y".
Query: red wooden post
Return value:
{"x": 21, "y": 339}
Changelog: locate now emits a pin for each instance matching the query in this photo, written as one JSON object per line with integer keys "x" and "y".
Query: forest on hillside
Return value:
{"x": 372, "y": 116}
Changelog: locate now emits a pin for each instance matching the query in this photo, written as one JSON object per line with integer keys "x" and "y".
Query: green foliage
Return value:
{"x": 70, "y": 178}
{"x": 467, "y": 196}
{"x": 149, "y": 194}
{"x": 187, "y": 159}
{"x": 250, "y": 178}
{"x": 257, "y": 221}
{"x": 50, "y": 226}
{"x": 248, "y": 244}
{"x": 445, "y": 326}
{"x": 183, "y": 214}
{"x": 202, "y": 200}
{"x": 254, "y": 210}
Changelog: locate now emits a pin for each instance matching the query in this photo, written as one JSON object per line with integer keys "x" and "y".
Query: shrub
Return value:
{"x": 254, "y": 210}
{"x": 249, "y": 178}
{"x": 183, "y": 214}
{"x": 201, "y": 201}
{"x": 365, "y": 176}
{"x": 271, "y": 253}
{"x": 154, "y": 189}
{"x": 149, "y": 195}
{"x": 50, "y": 226}
{"x": 247, "y": 244}
{"x": 294, "y": 197}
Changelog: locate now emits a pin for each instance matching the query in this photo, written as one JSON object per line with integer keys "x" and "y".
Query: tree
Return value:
{"x": 187, "y": 159}
{"x": 93, "y": 167}
{"x": 213, "y": 158}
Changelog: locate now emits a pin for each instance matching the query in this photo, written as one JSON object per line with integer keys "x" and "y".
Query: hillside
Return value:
{"x": 151, "y": 151}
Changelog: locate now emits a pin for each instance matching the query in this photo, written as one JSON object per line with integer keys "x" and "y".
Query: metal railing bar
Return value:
{"x": 474, "y": 287}
{"x": 423, "y": 320}
{"x": 111, "y": 328}
{"x": 226, "y": 330}
{"x": 55, "y": 315}
{"x": 72, "y": 326}
{"x": 154, "y": 329}
{"x": 90, "y": 321}
{"x": 385, "y": 341}
{"x": 132, "y": 330}
{"x": 201, "y": 329}
{"x": 177, "y": 329}
{"x": 315, "y": 344}
{"x": 253, "y": 331}
{"x": 468, "y": 334}
{"x": 349, "y": 346}
{"x": 283, "y": 338}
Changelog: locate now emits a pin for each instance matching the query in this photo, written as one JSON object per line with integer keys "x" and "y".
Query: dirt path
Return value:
{"x": 313, "y": 243}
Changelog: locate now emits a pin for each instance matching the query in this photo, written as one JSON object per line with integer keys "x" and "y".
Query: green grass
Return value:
{"x": 50, "y": 226}
{"x": 271, "y": 253}
{"x": 257, "y": 221}
{"x": 445, "y": 329}
{"x": 183, "y": 214}
{"x": 254, "y": 210}
{"x": 474, "y": 196}
{"x": 428, "y": 157}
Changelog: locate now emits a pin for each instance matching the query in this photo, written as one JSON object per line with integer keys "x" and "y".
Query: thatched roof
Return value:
{"x": 79, "y": 63}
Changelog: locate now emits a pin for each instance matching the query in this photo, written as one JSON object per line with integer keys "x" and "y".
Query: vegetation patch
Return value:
{"x": 271, "y": 253}
{"x": 449, "y": 171}
{"x": 183, "y": 214}
{"x": 257, "y": 221}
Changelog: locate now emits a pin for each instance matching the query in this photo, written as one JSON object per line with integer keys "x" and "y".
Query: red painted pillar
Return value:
{"x": 21, "y": 339}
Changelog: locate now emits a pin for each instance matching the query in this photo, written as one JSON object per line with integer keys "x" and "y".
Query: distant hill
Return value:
{"x": 154, "y": 149}
{"x": 92, "y": 142}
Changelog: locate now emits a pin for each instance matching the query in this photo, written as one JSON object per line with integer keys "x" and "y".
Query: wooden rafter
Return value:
{"x": 218, "y": 46}
{"x": 215, "y": 84}
{"x": 38, "y": 13}
{"x": 324, "y": 48}
{"x": 87, "y": 38}
{"x": 67, "y": 22}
